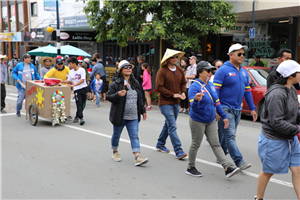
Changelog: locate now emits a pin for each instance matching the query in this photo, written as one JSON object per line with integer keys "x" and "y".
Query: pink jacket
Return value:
{"x": 147, "y": 85}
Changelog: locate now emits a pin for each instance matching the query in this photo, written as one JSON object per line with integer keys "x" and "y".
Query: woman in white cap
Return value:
{"x": 278, "y": 145}
{"x": 126, "y": 110}
{"x": 47, "y": 62}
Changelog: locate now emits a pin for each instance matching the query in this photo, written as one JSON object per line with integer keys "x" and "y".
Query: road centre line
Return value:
{"x": 277, "y": 181}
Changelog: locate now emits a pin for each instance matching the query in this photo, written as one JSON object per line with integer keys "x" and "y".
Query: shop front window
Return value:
{"x": 13, "y": 23}
{"x": 20, "y": 17}
{"x": 4, "y": 19}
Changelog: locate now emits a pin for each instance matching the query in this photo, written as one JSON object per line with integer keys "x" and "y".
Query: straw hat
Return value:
{"x": 169, "y": 53}
{"x": 124, "y": 63}
{"x": 3, "y": 57}
{"x": 42, "y": 59}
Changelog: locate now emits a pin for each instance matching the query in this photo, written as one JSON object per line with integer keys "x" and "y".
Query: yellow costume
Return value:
{"x": 62, "y": 75}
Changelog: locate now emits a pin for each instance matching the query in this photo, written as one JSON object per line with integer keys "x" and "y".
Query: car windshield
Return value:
{"x": 260, "y": 75}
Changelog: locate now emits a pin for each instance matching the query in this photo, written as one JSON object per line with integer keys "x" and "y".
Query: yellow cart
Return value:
{"x": 47, "y": 102}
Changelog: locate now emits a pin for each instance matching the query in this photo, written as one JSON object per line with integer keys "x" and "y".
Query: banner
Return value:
{"x": 11, "y": 37}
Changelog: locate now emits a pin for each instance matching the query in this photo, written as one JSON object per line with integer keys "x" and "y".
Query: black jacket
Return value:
{"x": 139, "y": 73}
{"x": 118, "y": 103}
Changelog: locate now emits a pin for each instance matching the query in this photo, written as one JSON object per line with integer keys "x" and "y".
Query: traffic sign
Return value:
{"x": 252, "y": 33}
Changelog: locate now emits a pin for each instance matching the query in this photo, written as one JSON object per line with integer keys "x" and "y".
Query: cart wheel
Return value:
{"x": 33, "y": 115}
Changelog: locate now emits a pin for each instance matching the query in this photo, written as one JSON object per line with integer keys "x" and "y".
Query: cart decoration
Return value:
{"x": 58, "y": 108}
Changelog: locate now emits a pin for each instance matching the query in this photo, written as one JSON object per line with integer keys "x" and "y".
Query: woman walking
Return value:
{"x": 126, "y": 110}
{"x": 184, "y": 104}
{"x": 278, "y": 145}
{"x": 147, "y": 85}
{"x": 204, "y": 103}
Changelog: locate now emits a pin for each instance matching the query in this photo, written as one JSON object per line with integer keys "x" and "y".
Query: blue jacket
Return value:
{"x": 205, "y": 110}
{"x": 18, "y": 71}
{"x": 93, "y": 86}
{"x": 98, "y": 68}
{"x": 232, "y": 85}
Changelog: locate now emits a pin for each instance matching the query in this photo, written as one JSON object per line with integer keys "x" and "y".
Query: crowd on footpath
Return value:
{"x": 211, "y": 95}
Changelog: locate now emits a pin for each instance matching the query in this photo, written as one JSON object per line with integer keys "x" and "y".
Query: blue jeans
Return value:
{"x": 97, "y": 97}
{"x": 132, "y": 129}
{"x": 20, "y": 99}
{"x": 228, "y": 135}
{"x": 170, "y": 128}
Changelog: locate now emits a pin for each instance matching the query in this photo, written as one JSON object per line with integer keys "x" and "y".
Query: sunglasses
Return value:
{"x": 47, "y": 61}
{"x": 60, "y": 64}
{"x": 239, "y": 54}
{"x": 218, "y": 66}
{"x": 172, "y": 57}
{"x": 127, "y": 67}
{"x": 208, "y": 70}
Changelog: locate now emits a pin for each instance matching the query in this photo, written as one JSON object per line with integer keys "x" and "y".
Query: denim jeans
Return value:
{"x": 132, "y": 129}
{"x": 20, "y": 99}
{"x": 97, "y": 97}
{"x": 228, "y": 135}
{"x": 170, "y": 128}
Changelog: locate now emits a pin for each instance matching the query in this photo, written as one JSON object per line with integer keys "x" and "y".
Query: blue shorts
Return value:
{"x": 278, "y": 155}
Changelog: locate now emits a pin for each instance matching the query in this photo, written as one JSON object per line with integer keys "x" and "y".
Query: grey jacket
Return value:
{"x": 279, "y": 113}
{"x": 3, "y": 75}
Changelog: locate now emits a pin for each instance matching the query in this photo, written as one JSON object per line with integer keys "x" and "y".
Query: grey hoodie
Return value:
{"x": 280, "y": 112}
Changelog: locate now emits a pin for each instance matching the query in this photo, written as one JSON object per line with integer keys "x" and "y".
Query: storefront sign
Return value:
{"x": 38, "y": 35}
{"x": 261, "y": 48}
{"x": 75, "y": 36}
{"x": 50, "y": 5}
{"x": 75, "y": 21}
{"x": 238, "y": 28}
{"x": 11, "y": 37}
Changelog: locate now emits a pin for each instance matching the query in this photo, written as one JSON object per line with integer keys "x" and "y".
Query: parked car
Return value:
{"x": 258, "y": 83}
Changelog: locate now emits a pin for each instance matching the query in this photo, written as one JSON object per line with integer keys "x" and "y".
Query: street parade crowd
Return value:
{"x": 211, "y": 95}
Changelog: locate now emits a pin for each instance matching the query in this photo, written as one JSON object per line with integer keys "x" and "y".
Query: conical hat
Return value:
{"x": 42, "y": 59}
{"x": 3, "y": 57}
{"x": 169, "y": 53}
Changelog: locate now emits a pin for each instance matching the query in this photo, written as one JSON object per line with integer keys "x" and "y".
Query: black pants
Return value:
{"x": 185, "y": 103}
{"x": 143, "y": 94}
{"x": 80, "y": 98}
{"x": 3, "y": 95}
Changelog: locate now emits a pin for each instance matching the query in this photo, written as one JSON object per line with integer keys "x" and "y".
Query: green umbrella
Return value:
{"x": 68, "y": 50}
{"x": 42, "y": 51}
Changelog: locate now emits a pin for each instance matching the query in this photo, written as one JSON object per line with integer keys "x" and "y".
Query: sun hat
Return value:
{"x": 236, "y": 47}
{"x": 3, "y": 57}
{"x": 86, "y": 60}
{"x": 169, "y": 53}
{"x": 42, "y": 60}
{"x": 122, "y": 64}
{"x": 287, "y": 68}
{"x": 205, "y": 65}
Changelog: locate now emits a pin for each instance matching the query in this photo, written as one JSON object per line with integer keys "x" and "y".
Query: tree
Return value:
{"x": 180, "y": 22}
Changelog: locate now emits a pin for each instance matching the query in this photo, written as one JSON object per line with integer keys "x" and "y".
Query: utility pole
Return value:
{"x": 57, "y": 29}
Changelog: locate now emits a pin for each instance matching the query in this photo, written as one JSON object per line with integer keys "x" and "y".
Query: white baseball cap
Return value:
{"x": 236, "y": 47}
{"x": 287, "y": 68}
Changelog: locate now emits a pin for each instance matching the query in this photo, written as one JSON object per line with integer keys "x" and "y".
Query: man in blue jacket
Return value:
{"x": 232, "y": 84}
{"x": 21, "y": 73}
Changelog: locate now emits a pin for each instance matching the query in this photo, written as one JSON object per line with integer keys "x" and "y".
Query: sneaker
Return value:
{"x": 255, "y": 198}
{"x": 231, "y": 171}
{"x": 3, "y": 111}
{"x": 81, "y": 121}
{"x": 69, "y": 118}
{"x": 180, "y": 155}
{"x": 75, "y": 120}
{"x": 116, "y": 157}
{"x": 98, "y": 105}
{"x": 193, "y": 172}
{"x": 148, "y": 108}
{"x": 162, "y": 149}
{"x": 140, "y": 161}
{"x": 244, "y": 165}
{"x": 18, "y": 114}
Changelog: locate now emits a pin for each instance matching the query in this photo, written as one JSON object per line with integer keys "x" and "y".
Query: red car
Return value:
{"x": 258, "y": 83}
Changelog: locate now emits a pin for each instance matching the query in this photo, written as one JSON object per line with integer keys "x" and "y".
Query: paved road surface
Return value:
{"x": 70, "y": 161}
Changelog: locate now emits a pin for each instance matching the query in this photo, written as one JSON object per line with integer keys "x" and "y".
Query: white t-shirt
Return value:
{"x": 76, "y": 76}
{"x": 98, "y": 84}
{"x": 191, "y": 70}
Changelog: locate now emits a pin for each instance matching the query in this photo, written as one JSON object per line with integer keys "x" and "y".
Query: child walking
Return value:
{"x": 96, "y": 87}
{"x": 147, "y": 85}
